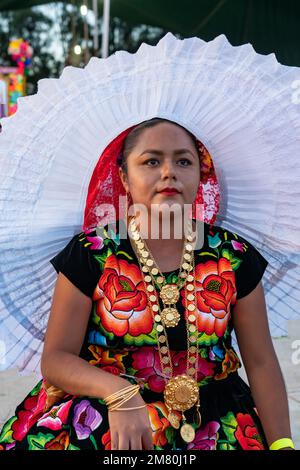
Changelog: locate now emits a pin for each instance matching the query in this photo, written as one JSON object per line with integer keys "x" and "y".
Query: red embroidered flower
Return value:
{"x": 106, "y": 440}
{"x": 60, "y": 442}
{"x": 215, "y": 291}
{"x": 247, "y": 433}
{"x": 121, "y": 299}
{"x": 158, "y": 423}
{"x": 27, "y": 417}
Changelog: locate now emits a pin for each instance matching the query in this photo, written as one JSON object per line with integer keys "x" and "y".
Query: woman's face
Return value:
{"x": 164, "y": 156}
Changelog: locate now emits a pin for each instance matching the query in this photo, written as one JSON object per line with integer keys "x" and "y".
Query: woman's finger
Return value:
{"x": 123, "y": 442}
{"x": 114, "y": 443}
{"x": 136, "y": 442}
{"x": 147, "y": 440}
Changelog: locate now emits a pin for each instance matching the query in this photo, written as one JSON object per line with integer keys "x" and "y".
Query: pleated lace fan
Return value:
{"x": 237, "y": 102}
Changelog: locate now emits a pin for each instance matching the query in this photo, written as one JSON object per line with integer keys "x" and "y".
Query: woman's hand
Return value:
{"x": 130, "y": 430}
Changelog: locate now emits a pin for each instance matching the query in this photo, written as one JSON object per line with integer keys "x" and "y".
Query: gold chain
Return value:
{"x": 181, "y": 392}
{"x": 169, "y": 293}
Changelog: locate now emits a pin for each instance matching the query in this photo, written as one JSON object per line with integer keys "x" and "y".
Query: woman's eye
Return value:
{"x": 185, "y": 160}
{"x": 151, "y": 160}
{"x": 181, "y": 160}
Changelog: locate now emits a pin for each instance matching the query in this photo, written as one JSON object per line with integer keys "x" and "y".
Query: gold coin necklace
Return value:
{"x": 181, "y": 392}
{"x": 169, "y": 293}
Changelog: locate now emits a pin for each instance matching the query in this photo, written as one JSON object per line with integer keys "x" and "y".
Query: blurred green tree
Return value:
{"x": 64, "y": 27}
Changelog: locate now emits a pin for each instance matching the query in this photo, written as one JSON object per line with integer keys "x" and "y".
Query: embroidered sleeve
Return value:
{"x": 78, "y": 263}
{"x": 251, "y": 267}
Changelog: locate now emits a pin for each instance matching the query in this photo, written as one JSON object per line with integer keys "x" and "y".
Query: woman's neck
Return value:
{"x": 163, "y": 242}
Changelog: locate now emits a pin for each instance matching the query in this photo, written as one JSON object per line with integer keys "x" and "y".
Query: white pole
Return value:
{"x": 105, "y": 30}
{"x": 96, "y": 32}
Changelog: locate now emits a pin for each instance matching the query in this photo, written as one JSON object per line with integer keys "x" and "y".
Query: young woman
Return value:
{"x": 138, "y": 352}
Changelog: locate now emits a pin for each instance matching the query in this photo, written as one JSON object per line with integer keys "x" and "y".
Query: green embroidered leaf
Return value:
{"x": 203, "y": 353}
{"x": 207, "y": 340}
{"x": 206, "y": 380}
{"x": 124, "y": 253}
{"x": 37, "y": 442}
{"x": 225, "y": 446}
{"x": 72, "y": 447}
{"x": 126, "y": 286}
{"x": 235, "y": 262}
{"x": 102, "y": 258}
{"x": 170, "y": 434}
{"x": 105, "y": 232}
{"x": 95, "y": 317}
{"x": 131, "y": 371}
{"x": 93, "y": 441}
{"x": 7, "y": 432}
{"x": 207, "y": 253}
{"x": 37, "y": 388}
{"x": 140, "y": 340}
{"x": 229, "y": 426}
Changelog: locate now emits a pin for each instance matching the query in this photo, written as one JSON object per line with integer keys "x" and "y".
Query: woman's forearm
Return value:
{"x": 76, "y": 376}
{"x": 269, "y": 393}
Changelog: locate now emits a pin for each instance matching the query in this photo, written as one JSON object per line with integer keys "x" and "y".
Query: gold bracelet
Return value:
{"x": 120, "y": 402}
{"x": 115, "y": 400}
{"x": 121, "y": 392}
{"x": 127, "y": 409}
{"x": 281, "y": 443}
{"x": 119, "y": 397}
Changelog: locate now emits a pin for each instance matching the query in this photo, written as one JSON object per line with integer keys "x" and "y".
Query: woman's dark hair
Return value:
{"x": 132, "y": 138}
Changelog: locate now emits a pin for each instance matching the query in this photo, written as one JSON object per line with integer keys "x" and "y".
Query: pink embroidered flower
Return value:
{"x": 95, "y": 241}
{"x": 206, "y": 438}
{"x": 147, "y": 363}
{"x": 237, "y": 245}
{"x": 55, "y": 418}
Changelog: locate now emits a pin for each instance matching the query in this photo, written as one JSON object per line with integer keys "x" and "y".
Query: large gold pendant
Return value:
{"x": 181, "y": 393}
{"x": 187, "y": 433}
{"x": 170, "y": 317}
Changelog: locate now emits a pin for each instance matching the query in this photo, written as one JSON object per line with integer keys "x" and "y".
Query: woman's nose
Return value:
{"x": 168, "y": 169}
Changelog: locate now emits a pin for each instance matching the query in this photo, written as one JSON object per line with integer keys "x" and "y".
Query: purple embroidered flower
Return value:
{"x": 206, "y": 438}
{"x": 237, "y": 245}
{"x": 86, "y": 419}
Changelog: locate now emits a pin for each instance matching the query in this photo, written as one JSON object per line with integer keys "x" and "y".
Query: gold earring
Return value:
{"x": 192, "y": 211}
{"x": 126, "y": 210}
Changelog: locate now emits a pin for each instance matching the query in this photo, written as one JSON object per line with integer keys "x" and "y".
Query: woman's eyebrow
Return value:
{"x": 160, "y": 152}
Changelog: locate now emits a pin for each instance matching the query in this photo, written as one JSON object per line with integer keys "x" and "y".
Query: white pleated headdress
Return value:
{"x": 242, "y": 105}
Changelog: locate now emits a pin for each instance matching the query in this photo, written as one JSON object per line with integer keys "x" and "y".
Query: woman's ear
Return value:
{"x": 123, "y": 178}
